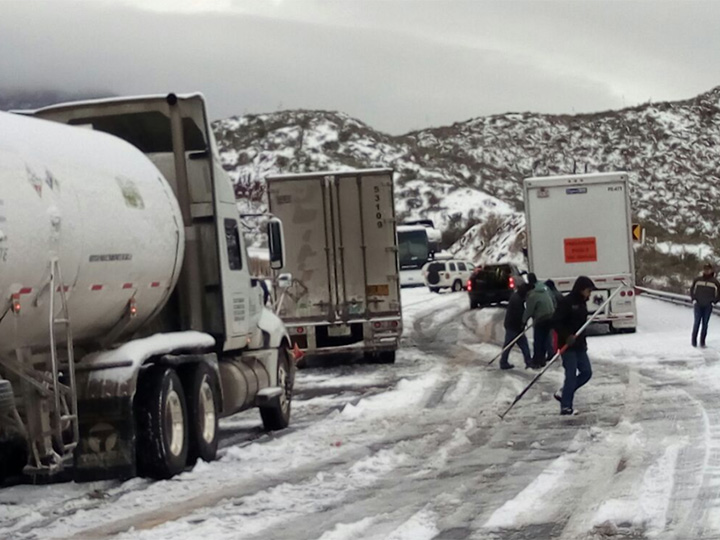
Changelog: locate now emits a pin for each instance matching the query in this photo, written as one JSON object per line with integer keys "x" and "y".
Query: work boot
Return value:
{"x": 694, "y": 343}
{"x": 558, "y": 395}
{"x": 506, "y": 365}
{"x": 567, "y": 411}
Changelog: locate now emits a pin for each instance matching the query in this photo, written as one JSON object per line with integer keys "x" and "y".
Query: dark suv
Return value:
{"x": 492, "y": 284}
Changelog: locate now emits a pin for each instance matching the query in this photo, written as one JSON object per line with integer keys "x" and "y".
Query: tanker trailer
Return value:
{"x": 129, "y": 322}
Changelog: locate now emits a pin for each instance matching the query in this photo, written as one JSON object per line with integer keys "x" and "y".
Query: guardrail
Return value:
{"x": 673, "y": 298}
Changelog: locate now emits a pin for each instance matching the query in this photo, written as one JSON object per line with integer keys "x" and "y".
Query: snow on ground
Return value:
{"x": 416, "y": 451}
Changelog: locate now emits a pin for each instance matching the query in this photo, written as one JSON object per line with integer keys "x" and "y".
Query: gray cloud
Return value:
{"x": 396, "y": 65}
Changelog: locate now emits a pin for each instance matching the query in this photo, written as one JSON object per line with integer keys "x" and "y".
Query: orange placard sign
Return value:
{"x": 580, "y": 250}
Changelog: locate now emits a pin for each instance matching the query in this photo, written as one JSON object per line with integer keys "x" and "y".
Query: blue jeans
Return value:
{"x": 702, "y": 316}
{"x": 542, "y": 342}
{"x": 522, "y": 343}
{"x": 577, "y": 372}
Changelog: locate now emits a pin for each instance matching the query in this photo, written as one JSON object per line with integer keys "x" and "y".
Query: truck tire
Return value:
{"x": 7, "y": 400}
{"x": 13, "y": 457}
{"x": 386, "y": 357}
{"x": 457, "y": 286}
{"x": 382, "y": 357}
{"x": 162, "y": 426}
{"x": 277, "y": 415}
{"x": 203, "y": 405}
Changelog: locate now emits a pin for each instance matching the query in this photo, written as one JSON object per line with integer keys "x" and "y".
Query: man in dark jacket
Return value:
{"x": 705, "y": 291}
{"x": 514, "y": 327}
{"x": 570, "y": 315}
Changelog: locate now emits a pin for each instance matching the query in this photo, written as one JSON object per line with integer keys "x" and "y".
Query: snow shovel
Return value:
{"x": 561, "y": 351}
{"x": 513, "y": 342}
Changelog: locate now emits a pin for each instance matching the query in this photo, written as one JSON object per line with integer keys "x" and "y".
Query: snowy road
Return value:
{"x": 416, "y": 450}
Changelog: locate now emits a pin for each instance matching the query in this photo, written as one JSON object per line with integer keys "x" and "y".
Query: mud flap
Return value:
{"x": 107, "y": 439}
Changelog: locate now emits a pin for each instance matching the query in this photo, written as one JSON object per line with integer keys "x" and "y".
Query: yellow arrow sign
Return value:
{"x": 636, "y": 232}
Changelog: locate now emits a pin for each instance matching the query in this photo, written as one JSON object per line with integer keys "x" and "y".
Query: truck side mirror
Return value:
{"x": 276, "y": 244}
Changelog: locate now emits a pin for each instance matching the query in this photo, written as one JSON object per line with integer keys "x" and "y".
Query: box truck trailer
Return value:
{"x": 581, "y": 225}
{"x": 341, "y": 250}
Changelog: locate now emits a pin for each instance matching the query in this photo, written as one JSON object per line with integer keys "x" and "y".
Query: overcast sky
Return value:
{"x": 397, "y": 65}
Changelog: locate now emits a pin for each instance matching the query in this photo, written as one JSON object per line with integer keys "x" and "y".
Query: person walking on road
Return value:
{"x": 514, "y": 327}
{"x": 705, "y": 292}
{"x": 569, "y": 317}
{"x": 540, "y": 307}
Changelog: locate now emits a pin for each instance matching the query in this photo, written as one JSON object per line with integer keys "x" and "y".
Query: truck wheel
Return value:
{"x": 162, "y": 427}
{"x": 277, "y": 415}
{"x": 13, "y": 457}
{"x": 7, "y": 400}
{"x": 457, "y": 286}
{"x": 473, "y": 304}
{"x": 382, "y": 357}
{"x": 386, "y": 357}
{"x": 203, "y": 405}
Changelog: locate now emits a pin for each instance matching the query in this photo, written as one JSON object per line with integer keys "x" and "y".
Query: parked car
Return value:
{"x": 450, "y": 273}
{"x": 493, "y": 283}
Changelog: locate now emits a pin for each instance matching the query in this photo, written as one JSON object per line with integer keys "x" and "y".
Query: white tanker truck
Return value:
{"x": 129, "y": 322}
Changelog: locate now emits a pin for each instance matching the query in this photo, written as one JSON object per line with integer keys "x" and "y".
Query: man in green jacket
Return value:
{"x": 540, "y": 306}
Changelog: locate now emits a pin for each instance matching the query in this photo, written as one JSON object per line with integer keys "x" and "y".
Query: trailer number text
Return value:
{"x": 378, "y": 213}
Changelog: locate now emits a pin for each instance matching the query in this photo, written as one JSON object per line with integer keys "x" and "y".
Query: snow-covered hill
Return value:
{"x": 467, "y": 176}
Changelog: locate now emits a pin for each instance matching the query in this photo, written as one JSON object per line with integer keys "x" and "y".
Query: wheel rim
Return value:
{"x": 175, "y": 422}
{"x": 284, "y": 383}
{"x": 207, "y": 410}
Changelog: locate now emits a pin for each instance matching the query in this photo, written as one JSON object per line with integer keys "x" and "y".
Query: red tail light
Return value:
{"x": 511, "y": 282}
{"x": 447, "y": 276}
{"x": 469, "y": 284}
{"x": 623, "y": 293}
{"x": 630, "y": 293}
{"x": 377, "y": 325}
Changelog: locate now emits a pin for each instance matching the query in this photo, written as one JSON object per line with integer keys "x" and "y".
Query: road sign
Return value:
{"x": 636, "y": 232}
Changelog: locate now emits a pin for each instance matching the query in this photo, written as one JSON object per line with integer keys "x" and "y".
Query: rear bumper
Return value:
{"x": 488, "y": 297}
{"x": 314, "y": 340}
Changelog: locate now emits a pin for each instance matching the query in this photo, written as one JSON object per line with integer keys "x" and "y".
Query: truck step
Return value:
{"x": 62, "y": 321}
{"x": 65, "y": 417}
{"x": 267, "y": 395}
{"x": 70, "y": 447}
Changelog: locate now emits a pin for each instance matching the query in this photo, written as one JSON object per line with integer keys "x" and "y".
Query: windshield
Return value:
{"x": 412, "y": 249}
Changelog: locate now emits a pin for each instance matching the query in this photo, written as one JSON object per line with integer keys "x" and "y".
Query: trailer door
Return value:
{"x": 302, "y": 205}
{"x": 379, "y": 243}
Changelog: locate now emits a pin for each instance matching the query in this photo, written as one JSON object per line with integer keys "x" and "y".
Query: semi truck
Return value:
{"x": 129, "y": 323}
{"x": 581, "y": 225}
{"x": 344, "y": 296}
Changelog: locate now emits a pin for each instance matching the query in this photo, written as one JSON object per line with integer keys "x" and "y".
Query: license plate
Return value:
{"x": 339, "y": 330}
{"x": 378, "y": 290}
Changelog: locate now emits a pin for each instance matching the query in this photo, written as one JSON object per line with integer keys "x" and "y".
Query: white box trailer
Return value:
{"x": 581, "y": 225}
{"x": 341, "y": 250}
